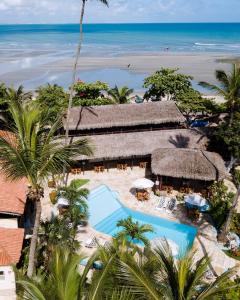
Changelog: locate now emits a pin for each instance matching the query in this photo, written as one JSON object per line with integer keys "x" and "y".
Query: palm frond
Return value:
{"x": 136, "y": 280}
{"x": 31, "y": 291}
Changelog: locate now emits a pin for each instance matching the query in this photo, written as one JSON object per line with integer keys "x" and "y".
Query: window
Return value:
{"x": 2, "y": 276}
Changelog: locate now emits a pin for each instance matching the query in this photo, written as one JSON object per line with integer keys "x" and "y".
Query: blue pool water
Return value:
{"x": 105, "y": 210}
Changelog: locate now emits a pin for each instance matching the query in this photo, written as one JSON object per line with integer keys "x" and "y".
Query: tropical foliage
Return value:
{"x": 166, "y": 83}
{"x": 52, "y": 98}
{"x": 133, "y": 230}
{"x": 220, "y": 201}
{"x": 88, "y": 94}
{"x": 34, "y": 152}
{"x": 193, "y": 105}
{"x": 120, "y": 95}
{"x": 150, "y": 274}
{"x": 229, "y": 88}
{"x": 60, "y": 281}
{"x": 77, "y": 199}
{"x": 7, "y": 94}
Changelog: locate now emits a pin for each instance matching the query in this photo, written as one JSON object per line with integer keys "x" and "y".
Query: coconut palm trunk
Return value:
{"x": 75, "y": 69}
{"x": 78, "y": 52}
{"x": 226, "y": 226}
{"x": 33, "y": 244}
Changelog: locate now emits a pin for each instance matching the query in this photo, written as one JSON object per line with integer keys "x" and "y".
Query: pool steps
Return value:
{"x": 108, "y": 224}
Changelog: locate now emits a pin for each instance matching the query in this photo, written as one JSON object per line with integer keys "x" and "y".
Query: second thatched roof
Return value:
{"x": 189, "y": 164}
{"x": 123, "y": 115}
{"x": 127, "y": 145}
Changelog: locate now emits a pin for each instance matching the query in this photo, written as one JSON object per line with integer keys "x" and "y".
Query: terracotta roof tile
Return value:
{"x": 12, "y": 195}
{"x": 5, "y": 259}
{"x": 11, "y": 240}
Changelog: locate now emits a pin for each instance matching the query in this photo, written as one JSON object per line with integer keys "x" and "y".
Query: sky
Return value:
{"x": 119, "y": 11}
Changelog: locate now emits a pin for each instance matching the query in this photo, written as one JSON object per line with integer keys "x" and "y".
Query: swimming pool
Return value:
{"x": 105, "y": 210}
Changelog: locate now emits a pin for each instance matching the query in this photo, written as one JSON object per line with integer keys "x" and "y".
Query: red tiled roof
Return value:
{"x": 12, "y": 195}
{"x": 11, "y": 240}
{"x": 5, "y": 259}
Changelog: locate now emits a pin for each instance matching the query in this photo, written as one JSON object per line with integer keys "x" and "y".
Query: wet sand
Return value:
{"x": 200, "y": 66}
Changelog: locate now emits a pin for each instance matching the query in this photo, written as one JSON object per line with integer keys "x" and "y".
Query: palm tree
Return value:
{"x": 166, "y": 278}
{"x": 134, "y": 230}
{"x": 64, "y": 281}
{"x": 229, "y": 88}
{"x": 83, "y": 2}
{"x": 76, "y": 196}
{"x": 6, "y": 94}
{"x": 18, "y": 94}
{"x": 35, "y": 152}
{"x": 120, "y": 95}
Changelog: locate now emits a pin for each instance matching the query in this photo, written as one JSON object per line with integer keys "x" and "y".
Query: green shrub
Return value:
{"x": 220, "y": 201}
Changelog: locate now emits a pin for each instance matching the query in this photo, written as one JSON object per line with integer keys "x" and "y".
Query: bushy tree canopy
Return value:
{"x": 192, "y": 103}
{"x": 88, "y": 94}
{"x": 52, "y": 98}
{"x": 166, "y": 83}
{"x": 230, "y": 135}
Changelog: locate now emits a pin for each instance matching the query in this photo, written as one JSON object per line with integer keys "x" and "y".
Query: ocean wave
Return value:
{"x": 203, "y": 44}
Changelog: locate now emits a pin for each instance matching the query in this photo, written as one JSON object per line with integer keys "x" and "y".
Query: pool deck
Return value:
{"x": 120, "y": 181}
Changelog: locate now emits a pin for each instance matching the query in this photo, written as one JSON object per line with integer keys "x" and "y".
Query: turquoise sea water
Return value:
{"x": 31, "y": 54}
{"x": 117, "y": 39}
{"x": 105, "y": 210}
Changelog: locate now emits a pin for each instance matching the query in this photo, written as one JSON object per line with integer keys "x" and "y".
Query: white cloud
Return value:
{"x": 66, "y": 11}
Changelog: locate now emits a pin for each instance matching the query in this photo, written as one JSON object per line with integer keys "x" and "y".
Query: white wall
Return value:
{"x": 9, "y": 223}
{"x": 7, "y": 283}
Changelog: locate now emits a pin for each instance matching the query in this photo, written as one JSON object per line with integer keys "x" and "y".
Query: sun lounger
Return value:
{"x": 91, "y": 243}
{"x": 171, "y": 205}
{"x": 162, "y": 204}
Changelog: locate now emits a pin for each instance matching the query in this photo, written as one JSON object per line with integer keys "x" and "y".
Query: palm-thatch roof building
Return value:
{"x": 194, "y": 164}
{"x": 140, "y": 144}
{"x": 124, "y": 118}
{"x": 131, "y": 133}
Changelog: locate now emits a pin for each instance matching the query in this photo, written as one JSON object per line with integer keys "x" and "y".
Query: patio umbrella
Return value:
{"x": 62, "y": 201}
{"x": 197, "y": 202}
{"x": 143, "y": 183}
{"x": 161, "y": 241}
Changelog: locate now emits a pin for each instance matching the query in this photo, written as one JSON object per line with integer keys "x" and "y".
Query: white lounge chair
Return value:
{"x": 91, "y": 242}
{"x": 162, "y": 203}
{"x": 171, "y": 205}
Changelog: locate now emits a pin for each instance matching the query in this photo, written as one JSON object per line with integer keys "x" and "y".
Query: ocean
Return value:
{"x": 30, "y": 47}
{"x": 115, "y": 39}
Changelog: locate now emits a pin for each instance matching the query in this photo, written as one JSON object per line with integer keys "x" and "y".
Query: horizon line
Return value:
{"x": 119, "y": 23}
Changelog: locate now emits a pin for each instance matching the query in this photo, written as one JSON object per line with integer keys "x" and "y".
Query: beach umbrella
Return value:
{"x": 62, "y": 201}
{"x": 197, "y": 202}
{"x": 143, "y": 183}
{"x": 161, "y": 241}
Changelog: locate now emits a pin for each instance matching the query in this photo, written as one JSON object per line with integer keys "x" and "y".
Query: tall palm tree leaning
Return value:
{"x": 229, "y": 88}
{"x": 74, "y": 74}
{"x": 31, "y": 150}
{"x": 120, "y": 95}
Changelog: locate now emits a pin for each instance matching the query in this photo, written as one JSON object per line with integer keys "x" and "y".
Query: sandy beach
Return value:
{"x": 35, "y": 70}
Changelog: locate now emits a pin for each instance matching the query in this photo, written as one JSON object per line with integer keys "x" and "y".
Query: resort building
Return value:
{"x": 152, "y": 135}
{"x": 12, "y": 202}
{"x": 13, "y": 222}
{"x": 125, "y": 118}
{"x": 11, "y": 240}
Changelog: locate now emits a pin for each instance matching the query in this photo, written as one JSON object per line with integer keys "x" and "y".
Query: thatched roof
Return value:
{"x": 122, "y": 115}
{"x": 188, "y": 163}
{"x": 113, "y": 146}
